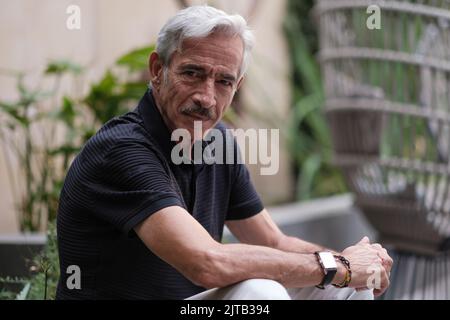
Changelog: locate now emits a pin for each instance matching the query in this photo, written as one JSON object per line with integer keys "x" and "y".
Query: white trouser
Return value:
{"x": 264, "y": 289}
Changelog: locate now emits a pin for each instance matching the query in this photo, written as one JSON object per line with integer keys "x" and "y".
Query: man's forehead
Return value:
{"x": 224, "y": 52}
{"x": 201, "y": 66}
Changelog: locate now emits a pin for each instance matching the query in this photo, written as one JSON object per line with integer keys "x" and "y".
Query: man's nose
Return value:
{"x": 206, "y": 95}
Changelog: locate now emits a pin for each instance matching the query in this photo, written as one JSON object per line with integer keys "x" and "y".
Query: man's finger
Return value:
{"x": 377, "y": 292}
{"x": 387, "y": 261}
{"x": 377, "y": 246}
{"x": 364, "y": 240}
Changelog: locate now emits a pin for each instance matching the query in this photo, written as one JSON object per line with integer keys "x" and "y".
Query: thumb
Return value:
{"x": 364, "y": 240}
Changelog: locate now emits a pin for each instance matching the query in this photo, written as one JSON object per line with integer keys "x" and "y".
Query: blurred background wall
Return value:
{"x": 34, "y": 32}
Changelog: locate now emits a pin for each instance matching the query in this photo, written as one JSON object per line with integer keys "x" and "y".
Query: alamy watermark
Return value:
{"x": 73, "y": 281}
{"x": 73, "y": 21}
{"x": 374, "y": 280}
{"x": 221, "y": 149}
{"x": 374, "y": 20}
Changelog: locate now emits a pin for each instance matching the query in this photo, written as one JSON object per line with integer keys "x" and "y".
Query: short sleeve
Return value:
{"x": 132, "y": 183}
{"x": 244, "y": 200}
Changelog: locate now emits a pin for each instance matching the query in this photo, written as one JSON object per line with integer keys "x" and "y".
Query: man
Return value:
{"x": 139, "y": 226}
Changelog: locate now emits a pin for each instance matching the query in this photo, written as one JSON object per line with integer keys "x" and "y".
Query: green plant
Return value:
{"x": 116, "y": 92}
{"x": 8, "y": 286}
{"x": 44, "y": 129}
{"x": 46, "y": 267}
{"x": 309, "y": 137}
{"x": 41, "y": 285}
{"x": 29, "y": 129}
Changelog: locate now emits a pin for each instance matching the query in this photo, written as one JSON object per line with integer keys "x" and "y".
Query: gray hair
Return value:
{"x": 199, "y": 22}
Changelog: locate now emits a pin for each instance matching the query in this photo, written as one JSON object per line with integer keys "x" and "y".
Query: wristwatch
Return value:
{"x": 329, "y": 267}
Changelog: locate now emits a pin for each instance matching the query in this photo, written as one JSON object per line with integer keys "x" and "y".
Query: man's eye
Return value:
{"x": 226, "y": 83}
{"x": 191, "y": 73}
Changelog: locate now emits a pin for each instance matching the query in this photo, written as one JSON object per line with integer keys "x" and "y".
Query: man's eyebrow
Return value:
{"x": 227, "y": 76}
{"x": 194, "y": 67}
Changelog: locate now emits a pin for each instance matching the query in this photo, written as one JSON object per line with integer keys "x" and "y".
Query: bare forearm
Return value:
{"x": 262, "y": 230}
{"x": 182, "y": 242}
{"x": 292, "y": 244}
{"x": 237, "y": 262}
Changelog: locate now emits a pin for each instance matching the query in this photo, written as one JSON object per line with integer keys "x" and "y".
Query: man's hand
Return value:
{"x": 365, "y": 259}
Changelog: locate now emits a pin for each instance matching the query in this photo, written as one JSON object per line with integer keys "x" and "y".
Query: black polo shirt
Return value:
{"x": 122, "y": 176}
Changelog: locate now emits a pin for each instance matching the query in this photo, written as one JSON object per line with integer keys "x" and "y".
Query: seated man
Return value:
{"x": 139, "y": 226}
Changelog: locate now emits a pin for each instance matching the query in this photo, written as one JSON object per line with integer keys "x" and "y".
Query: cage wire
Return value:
{"x": 388, "y": 108}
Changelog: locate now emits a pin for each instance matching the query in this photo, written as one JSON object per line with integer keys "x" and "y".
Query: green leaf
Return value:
{"x": 7, "y": 107}
{"x": 62, "y": 66}
{"x": 104, "y": 99}
{"x": 107, "y": 84}
{"x": 310, "y": 169}
{"x": 136, "y": 60}
{"x": 12, "y": 110}
{"x": 12, "y": 280}
{"x": 28, "y": 97}
{"x": 67, "y": 113}
{"x": 307, "y": 105}
{"x": 66, "y": 149}
{"x": 132, "y": 90}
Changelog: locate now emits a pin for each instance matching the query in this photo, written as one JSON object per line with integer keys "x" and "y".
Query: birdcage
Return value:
{"x": 386, "y": 71}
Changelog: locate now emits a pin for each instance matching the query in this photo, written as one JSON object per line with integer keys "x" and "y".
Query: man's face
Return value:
{"x": 200, "y": 81}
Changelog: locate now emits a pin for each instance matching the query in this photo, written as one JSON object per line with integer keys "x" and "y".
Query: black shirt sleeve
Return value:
{"x": 132, "y": 184}
{"x": 244, "y": 200}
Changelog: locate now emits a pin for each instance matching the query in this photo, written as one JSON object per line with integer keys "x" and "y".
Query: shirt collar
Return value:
{"x": 154, "y": 123}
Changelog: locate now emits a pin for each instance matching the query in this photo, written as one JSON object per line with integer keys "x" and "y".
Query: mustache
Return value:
{"x": 196, "y": 109}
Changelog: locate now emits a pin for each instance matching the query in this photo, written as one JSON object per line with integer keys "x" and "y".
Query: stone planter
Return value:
{"x": 16, "y": 250}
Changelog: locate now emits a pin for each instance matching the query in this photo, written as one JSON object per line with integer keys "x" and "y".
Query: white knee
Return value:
{"x": 261, "y": 289}
{"x": 352, "y": 294}
{"x": 362, "y": 295}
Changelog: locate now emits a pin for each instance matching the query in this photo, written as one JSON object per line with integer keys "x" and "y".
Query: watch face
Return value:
{"x": 328, "y": 260}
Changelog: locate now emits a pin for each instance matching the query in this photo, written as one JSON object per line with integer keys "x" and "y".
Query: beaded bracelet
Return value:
{"x": 348, "y": 274}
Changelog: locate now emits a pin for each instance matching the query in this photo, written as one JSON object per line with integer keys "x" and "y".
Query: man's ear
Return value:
{"x": 155, "y": 68}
